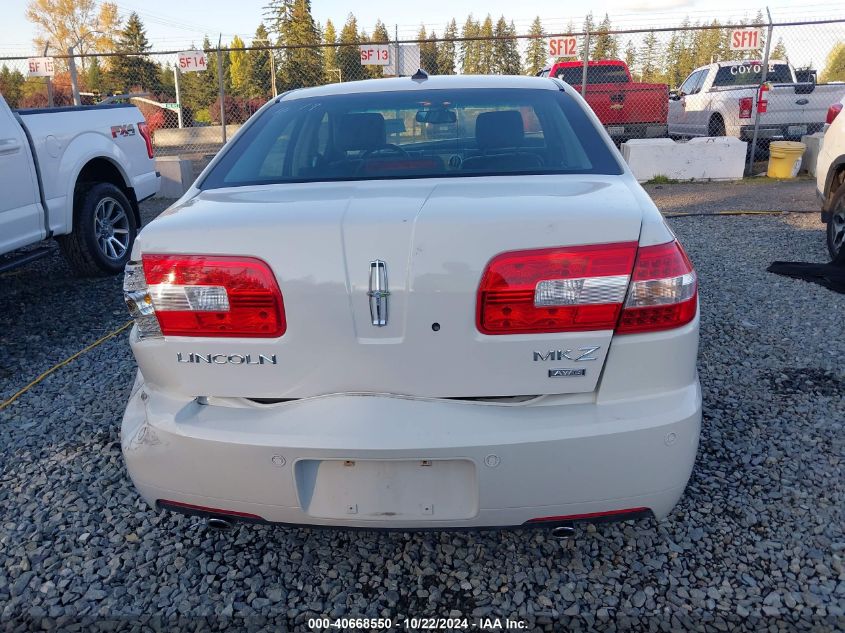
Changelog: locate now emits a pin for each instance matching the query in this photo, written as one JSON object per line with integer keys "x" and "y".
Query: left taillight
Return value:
{"x": 204, "y": 295}
{"x": 144, "y": 129}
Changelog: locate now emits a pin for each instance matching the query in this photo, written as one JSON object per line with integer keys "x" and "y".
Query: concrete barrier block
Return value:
{"x": 710, "y": 158}
{"x": 177, "y": 174}
{"x": 196, "y": 137}
{"x": 811, "y": 154}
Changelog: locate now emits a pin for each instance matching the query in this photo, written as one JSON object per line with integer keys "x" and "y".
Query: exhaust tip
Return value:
{"x": 563, "y": 532}
{"x": 221, "y": 525}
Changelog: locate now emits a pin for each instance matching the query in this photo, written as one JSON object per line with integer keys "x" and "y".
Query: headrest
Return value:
{"x": 360, "y": 131}
{"x": 494, "y": 130}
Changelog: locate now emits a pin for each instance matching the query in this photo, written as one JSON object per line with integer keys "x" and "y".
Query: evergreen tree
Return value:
{"x": 209, "y": 89}
{"x": 779, "y": 51}
{"x": 134, "y": 69}
{"x": 589, "y": 27}
{"x": 303, "y": 65}
{"x": 486, "y": 50}
{"x": 11, "y": 85}
{"x": 330, "y": 67}
{"x": 239, "y": 68}
{"x": 606, "y": 46}
{"x": 537, "y": 51}
{"x": 259, "y": 69}
{"x": 348, "y": 54}
{"x": 506, "y": 58}
{"x": 446, "y": 50}
{"x": 428, "y": 51}
{"x": 94, "y": 76}
{"x": 630, "y": 55}
{"x": 379, "y": 36}
{"x": 470, "y": 51}
{"x": 650, "y": 58}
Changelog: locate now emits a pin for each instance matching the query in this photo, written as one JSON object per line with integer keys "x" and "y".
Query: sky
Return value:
{"x": 176, "y": 25}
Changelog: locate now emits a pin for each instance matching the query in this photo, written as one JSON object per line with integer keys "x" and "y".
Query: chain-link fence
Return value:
{"x": 758, "y": 82}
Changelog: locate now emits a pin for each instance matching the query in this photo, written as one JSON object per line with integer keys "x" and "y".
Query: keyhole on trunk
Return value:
{"x": 435, "y": 327}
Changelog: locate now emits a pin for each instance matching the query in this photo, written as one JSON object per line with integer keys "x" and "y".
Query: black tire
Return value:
{"x": 98, "y": 247}
{"x": 716, "y": 126}
{"x": 836, "y": 226}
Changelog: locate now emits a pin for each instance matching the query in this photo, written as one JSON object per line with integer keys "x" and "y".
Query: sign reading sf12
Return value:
{"x": 563, "y": 46}
{"x": 375, "y": 54}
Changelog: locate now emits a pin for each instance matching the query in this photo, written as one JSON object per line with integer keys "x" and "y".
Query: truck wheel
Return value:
{"x": 716, "y": 127}
{"x": 103, "y": 232}
{"x": 836, "y": 227}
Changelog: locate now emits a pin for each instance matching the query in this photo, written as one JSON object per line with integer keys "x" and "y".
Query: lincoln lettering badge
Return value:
{"x": 379, "y": 294}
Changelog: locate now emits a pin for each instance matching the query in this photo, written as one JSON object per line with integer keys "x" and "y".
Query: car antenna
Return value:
{"x": 420, "y": 75}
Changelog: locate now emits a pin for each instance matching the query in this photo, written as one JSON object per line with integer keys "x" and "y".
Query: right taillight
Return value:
{"x": 144, "y": 129}
{"x": 746, "y": 105}
{"x": 832, "y": 112}
{"x": 204, "y": 295}
{"x": 663, "y": 292}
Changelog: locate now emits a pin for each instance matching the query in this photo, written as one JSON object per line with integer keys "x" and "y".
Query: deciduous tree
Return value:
{"x": 86, "y": 25}
{"x": 239, "y": 67}
{"x": 834, "y": 67}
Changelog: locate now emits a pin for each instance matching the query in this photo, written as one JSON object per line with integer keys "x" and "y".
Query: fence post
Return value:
{"x": 272, "y": 53}
{"x": 74, "y": 80}
{"x": 220, "y": 87}
{"x": 763, "y": 77}
{"x": 176, "y": 76}
{"x": 586, "y": 62}
{"x": 398, "y": 52}
{"x": 50, "y": 98}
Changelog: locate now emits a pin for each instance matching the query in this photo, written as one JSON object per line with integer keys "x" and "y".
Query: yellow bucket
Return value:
{"x": 785, "y": 159}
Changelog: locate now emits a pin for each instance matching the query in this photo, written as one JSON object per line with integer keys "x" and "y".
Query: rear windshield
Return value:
{"x": 751, "y": 73}
{"x": 415, "y": 134}
{"x": 595, "y": 74}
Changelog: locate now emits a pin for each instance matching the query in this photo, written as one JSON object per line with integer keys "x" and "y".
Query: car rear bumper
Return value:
{"x": 381, "y": 461}
{"x": 637, "y": 130}
{"x": 779, "y": 132}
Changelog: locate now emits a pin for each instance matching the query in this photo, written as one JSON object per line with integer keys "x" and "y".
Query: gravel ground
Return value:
{"x": 757, "y": 541}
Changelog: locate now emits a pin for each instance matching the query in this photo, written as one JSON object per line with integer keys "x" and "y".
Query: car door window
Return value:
{"x": 693, "y": 83}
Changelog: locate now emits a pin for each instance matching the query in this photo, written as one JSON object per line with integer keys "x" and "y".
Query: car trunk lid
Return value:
{"x": 434, "y": 238}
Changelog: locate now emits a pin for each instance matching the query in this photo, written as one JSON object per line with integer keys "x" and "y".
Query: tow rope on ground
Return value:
{"x": 67, "y": 360}
{"x": 682, "y": 214}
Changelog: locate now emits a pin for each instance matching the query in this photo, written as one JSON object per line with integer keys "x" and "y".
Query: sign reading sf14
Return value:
{"x": 40, "y": 67}
{"x": 745, "y": 39}
{"x": 375, "y": 54}
{"x": 192, "y": 61}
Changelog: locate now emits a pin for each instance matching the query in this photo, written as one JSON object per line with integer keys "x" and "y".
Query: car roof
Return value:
{"x": 433, "y": 82}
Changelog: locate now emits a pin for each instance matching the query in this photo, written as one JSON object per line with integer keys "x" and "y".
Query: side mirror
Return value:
{"x": 674, "y": 95}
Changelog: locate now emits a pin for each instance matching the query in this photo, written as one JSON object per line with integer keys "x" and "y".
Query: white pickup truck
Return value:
{"x": 720, "y": 100}
{"x": 75, "y": 174}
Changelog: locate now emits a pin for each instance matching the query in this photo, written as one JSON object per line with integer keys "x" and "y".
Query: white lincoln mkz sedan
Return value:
{"x": 428, "y": 302}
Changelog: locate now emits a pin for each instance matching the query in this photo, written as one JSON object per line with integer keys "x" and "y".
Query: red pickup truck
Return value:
{"x": 626, "y": 108}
